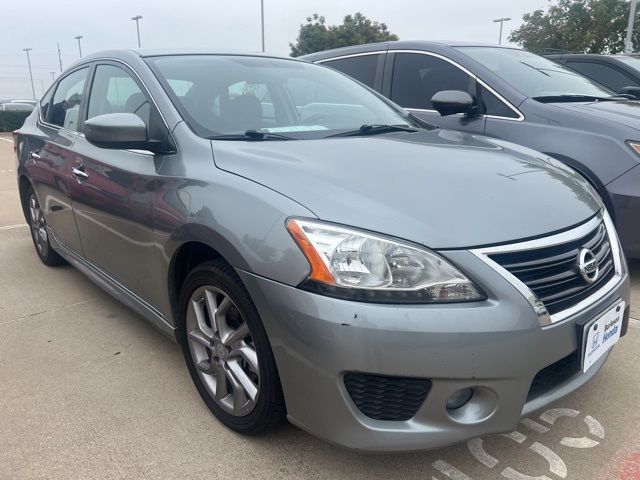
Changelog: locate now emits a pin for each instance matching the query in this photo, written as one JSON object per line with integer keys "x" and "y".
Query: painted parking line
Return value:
{"x": 6, "y": 139}
{"x": 556, "y": 468}
{"x": 12, "y": 227}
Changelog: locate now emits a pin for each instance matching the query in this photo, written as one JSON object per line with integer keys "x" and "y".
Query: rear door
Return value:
{"x": 413, "y": 77}
{"x": 52, "y": 154}
{"x": 113, "y": 195}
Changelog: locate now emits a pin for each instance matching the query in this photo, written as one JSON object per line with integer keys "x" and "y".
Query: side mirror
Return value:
{"x": 117, "y": 131}
{"x": 631, "y": 91}
{"x": 450, "y": 102}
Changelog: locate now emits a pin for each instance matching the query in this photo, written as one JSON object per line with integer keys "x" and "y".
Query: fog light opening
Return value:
{"x": 459, "y": 399}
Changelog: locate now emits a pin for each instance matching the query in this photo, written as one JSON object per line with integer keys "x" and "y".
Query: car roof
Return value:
{"x": 156, "y": 52}
{"x": 397, "y": 45}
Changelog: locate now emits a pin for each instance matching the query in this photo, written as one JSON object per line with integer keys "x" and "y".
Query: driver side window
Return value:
{"x": 115, "y": 91}
{"x": 418, "y": 77}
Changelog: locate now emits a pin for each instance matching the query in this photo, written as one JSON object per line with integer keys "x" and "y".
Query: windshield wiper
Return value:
{"x": 374, "y": 130}
{"x": 254, "y": 135}
{"x": 575, "y": 98}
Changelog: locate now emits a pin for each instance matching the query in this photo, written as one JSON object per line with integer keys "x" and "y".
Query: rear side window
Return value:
{"x": 417, "y": 78}
{"x": 115, "y": 91}
{"x": 363, "y": 68}
{"x": 603, "y": 74}
{"x": 64, "y": 110}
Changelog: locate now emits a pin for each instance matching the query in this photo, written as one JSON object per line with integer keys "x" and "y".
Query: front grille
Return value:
{"x": 386, "y": 398}
{"x": 554, "y": 375}
{"x": 552, "y": 272}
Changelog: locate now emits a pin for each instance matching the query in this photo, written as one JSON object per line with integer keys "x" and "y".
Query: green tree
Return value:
{"x": 585, "y": 26}
{"x": 315, "y": 35}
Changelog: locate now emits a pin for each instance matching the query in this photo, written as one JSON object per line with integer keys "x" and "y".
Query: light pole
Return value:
{"x": 628, "y": 44}
{"x": 262, "y": 22}
{"x": 33, "y": 90}
{"x": 60, "y": 57}
{"x": 79, "y": 46}
{"x": 137, "y": 19}
{"x": 501, "y": 22}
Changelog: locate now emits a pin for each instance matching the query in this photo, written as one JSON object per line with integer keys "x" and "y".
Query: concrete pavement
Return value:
{"x": 88, "y": 389}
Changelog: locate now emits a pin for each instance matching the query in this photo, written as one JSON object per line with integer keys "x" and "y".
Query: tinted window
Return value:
{"x": 45, "y": 103}
{"x": 65, "y": 108}
{"x": 231, "y": 94}
{"x": 115, "y": 91}
{"x": 362, "y": 68}
{"x": 417, "y": 78}
{"x": 604, "y": 74}
{"x": 533, "y": 75}
{"x": 492, "y": 105}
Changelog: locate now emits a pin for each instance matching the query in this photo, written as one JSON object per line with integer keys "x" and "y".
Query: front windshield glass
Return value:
{"x": 633, "y": 62}
{"x": 535, "y": 76}
{"x": 226, "y": 95}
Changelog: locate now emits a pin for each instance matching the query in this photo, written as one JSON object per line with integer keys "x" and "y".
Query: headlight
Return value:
{"x": 355, "y": 265}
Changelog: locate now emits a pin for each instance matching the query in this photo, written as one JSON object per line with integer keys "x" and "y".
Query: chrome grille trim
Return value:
{"x": 572, "y": 235}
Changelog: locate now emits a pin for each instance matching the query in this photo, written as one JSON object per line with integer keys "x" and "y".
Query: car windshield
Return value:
{"x": 633, "y": 62}
{"x": 229, "y": 95}
{"x": 536, "y": 76}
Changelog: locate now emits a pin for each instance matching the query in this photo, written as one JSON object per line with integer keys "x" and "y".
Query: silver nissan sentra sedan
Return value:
{"x": 320, "y": 255}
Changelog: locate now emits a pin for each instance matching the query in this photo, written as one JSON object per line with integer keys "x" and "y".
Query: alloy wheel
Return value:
{"x": 222, "y": 350}
{"x": 38, "y": 226}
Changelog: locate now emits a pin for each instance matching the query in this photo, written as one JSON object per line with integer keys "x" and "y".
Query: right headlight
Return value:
{"x": 355, "y": 265}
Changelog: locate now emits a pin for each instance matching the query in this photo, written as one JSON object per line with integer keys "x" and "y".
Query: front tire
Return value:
{"x": 227, "y": 350}
{"x": 39, "y": 233}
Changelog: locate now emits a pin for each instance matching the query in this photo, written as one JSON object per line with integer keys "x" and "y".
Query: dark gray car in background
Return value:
{"x": 319, "y": 255}
{"x": 519, "y": 97}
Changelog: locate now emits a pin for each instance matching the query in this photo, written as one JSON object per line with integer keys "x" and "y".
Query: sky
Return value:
{"x": 216, "y": 24}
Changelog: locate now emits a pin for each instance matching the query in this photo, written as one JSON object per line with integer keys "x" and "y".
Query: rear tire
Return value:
{"x": 39, "y": 233}
{"x": 227, "y": 350}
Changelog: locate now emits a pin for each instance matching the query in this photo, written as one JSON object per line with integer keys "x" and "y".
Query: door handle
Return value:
{"x": 34, "y": 155}
{"x": 78, "y": 172}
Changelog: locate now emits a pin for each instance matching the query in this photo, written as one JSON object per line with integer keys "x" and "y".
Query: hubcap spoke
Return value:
{"x": 199, "y": 337}
{"x": 241, "y": 382}
{"x": 249, "y": 355}
{"x": 236, "y": 335}
{"x": 201, "y": 319}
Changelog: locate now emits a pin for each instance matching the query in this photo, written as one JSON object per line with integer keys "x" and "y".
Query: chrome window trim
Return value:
{"x": 564, "y": 237}
{"x": 122, "y": 62}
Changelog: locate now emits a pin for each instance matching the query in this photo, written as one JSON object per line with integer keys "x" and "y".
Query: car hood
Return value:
{"x": 623, "y": 112}
{"x": 442, "y": 189}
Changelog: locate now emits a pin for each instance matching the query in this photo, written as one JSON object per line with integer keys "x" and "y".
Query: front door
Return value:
{"x": 418, "y": 76}
{"x": 113, "y": 191}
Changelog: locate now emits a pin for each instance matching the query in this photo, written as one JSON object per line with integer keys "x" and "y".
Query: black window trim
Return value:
{"x": 520, "y": 115}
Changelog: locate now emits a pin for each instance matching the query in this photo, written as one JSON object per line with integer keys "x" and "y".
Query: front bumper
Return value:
{"x": 497, "y": 345}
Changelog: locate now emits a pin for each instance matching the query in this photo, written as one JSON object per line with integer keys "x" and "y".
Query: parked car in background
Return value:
{"x": 319, "y": 255}
{"x": 620, "y": 73}
{"x": 16, "y": 107}
{"x": 516, "y": 96}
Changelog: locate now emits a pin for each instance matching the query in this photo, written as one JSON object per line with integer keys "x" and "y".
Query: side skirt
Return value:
{"x": 112, "y": 287}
